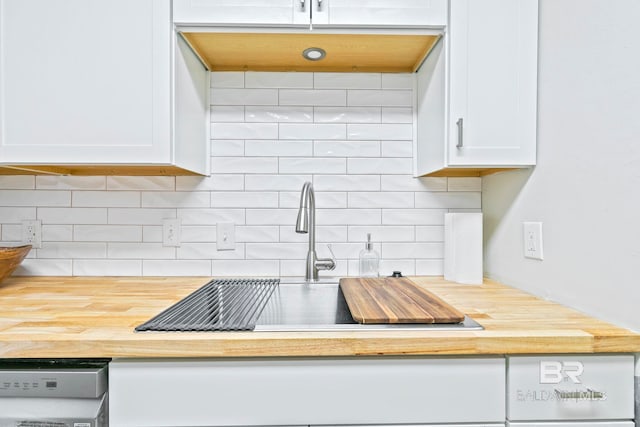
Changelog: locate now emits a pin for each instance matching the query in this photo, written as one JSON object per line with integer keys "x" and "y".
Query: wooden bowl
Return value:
{"x": 10, "y": 259}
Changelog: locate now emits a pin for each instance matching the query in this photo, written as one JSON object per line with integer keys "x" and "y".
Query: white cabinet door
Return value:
{"x": 381, "y": 13}
{"x": 85, "y": 81}
{"x": 245, "y": 12}
{"x": 493, "y": 82}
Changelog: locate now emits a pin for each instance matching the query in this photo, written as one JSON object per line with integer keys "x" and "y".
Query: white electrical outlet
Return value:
{"x": 171, "y": 232}
{"x": 532, "y": 234}
{"x": 226, "y": 236}
{"x": 32, "y": 233}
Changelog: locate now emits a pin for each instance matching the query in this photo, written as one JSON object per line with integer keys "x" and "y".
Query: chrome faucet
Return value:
{"x": 306, "y": 223}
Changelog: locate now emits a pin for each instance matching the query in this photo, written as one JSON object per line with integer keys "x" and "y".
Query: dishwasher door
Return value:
{"x": 53, "y": 393}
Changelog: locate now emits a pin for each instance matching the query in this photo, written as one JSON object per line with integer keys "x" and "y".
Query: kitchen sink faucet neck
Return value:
{"x": 306, "y": 223}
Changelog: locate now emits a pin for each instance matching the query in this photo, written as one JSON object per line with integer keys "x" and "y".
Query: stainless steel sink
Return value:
{"x": 298, "y": 306}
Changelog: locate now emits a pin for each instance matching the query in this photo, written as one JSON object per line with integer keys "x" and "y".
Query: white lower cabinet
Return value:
{"x": 574, "y": 388}
{"x": 309, "y": 391}
{"x": 575, "y": 424}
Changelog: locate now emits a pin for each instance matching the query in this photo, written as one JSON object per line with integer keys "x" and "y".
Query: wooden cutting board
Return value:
{"x": 395, "y": 300}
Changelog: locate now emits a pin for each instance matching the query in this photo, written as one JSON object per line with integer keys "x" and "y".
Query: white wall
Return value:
{"x": 348, "y": 133}
{"x": 586, "y": 187}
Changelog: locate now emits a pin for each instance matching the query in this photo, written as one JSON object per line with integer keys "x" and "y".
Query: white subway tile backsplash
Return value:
{"x": 240, "y": 165}
{"x": 244, "y": 130}
{"x": 227, "y": 148}
{"x": 107, "y": 233}
{"x": 55, "y": 233}
{"x": 383, "y": 166}
{"x": 209, "y": 251}
{"x": 245, "y": 199}
{"x": 210, "y": 216}
{"x": 398, "y": 81}
{"x": 17, "y": 182}
{"x": 145, "y": 183}
{"x": 346, "y": 182}
{"x": 271, "y": 216}
{"x": 35, "y": 198}
{"x": 347, "y": 81}
{"x": 348, "y": 216}
{"x": 346, "y": 115}
{"x": 142, "y": 251}
{"x": 324, "y": 234}
{"x": 429, "y": 233}
{"x": 465, "y": 184}
{"x": 348, "y": 133}
{"x": 73, "y": 250}
{"x": 278, "y": 80}
{"x": 413, "y": 216}
{"x": 48, "y": 182}
{"x": 304, "y": 131}
{"x": 14, "y": 215}
{"x": 176, "y": 199}
{"x": 274, "y": 114}
{"x": 72, "y": 215}
{"x": 409, "y": 183}
{"x": 463, "y": 200}
{"x": 107, "y": 267}
{"x": 165, "y": 268}
{"x": 277, "y": 148}
{"x": 246, "y": 268}
{"x": 44, "y": 267}
{"x": 276, "y": 251}
{"x": 317, "y": 165}
{"x": 230, "y": 79}
{"x": 397, "y": 115}
{"x": 397, "y": 148}
{"x": 391, "y": 131}
{"x": 256, "y": 234}
{"x": 137, "y": 216}
{"x": 323, "y": 199}
{"x": 346, "y": 148}
{"x": 105, "y": 199}
{"x": 227, "y": 113}
{"x": 244, "y": 96}
{"x": 382, "y": 233}
{"x": 222, "y": 182}
{"x": 429, "y": 267}
{"x": 412, "y": 250}
{"x": 406, "y": 266}
{"x": 276, "y": 182}
{"x": 381, "y": 200}
{"x": 380, "y": 98}
{"x": 312, "y": 97}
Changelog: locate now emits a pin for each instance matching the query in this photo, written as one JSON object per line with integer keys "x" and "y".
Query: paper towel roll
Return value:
{"x": 463, "y": 248}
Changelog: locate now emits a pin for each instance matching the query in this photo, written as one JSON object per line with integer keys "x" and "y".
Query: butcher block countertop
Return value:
{"x": 52, "y": 317}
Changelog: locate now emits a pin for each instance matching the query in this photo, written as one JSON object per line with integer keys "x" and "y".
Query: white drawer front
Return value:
{"x": 574, "y": 387}
{"x": 576, "y": 424}
{"x": 306, "y": 391}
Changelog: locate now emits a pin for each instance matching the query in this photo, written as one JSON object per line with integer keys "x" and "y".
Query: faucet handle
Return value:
{"x": 327, "y": 263}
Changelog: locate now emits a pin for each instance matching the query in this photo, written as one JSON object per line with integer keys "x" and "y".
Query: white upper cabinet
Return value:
{"x": 245, "y": 12}
{"x": 485, "y": 75}
{"x": 91, "y": 82}
{"x": 383, "y": 13}
{"x": 375, "y": 13}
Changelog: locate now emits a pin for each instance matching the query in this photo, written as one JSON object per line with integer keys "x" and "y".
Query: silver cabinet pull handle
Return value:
{"x": 302, "y": 5}
{"x": 319, "y": 5}
{"x": 460, "y": 136}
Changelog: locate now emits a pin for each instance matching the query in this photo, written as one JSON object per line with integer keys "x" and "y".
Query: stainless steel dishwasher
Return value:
{"x": 53, "y": 393}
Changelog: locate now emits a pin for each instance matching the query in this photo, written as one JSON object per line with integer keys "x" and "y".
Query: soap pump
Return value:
{"x": 369, "y": 260}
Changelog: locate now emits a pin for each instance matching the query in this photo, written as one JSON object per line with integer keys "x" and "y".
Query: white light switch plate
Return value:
{"x": 532, "y": 237}
{"x": 226, "y": 236}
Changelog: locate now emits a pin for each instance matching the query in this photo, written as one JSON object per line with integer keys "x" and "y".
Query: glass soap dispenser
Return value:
{"x": 369, "y": 260}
